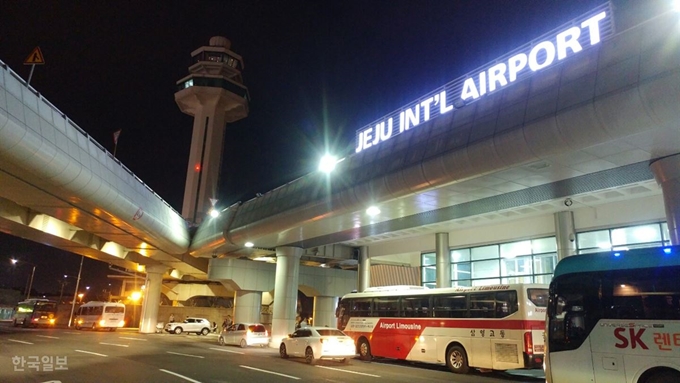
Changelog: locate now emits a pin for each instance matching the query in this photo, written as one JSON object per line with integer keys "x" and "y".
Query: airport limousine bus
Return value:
{"x": 35, "y": 312}
{"x": 100, "y": 315}
{"x": 499, "y": 327}
{"x": 615, "y": 317}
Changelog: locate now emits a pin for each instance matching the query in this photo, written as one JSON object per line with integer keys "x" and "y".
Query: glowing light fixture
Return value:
{"x": 373, "y": 211}
{"x": 327, "y": 163}
{"x": 248, "y": 244}
{"x": 667, "y": 250}
{"x": 214, "y": 213}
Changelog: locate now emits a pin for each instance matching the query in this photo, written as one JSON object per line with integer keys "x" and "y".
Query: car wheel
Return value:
{"x": 365, "y": 350}
{"x": 220, "y": 340}
{"x": 456, "y": 360}
{"x": 178, "y": 330}
{"x": 243, "y": 343}
{"x": 205, "y": 331}
{"x": 283, "y": 352}
{"x": 309, "y": 356}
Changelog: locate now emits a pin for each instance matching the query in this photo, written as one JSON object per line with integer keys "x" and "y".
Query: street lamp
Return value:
{"x": 30, "y": 284}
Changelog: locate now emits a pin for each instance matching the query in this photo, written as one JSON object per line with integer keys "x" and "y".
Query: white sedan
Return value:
{"x": 197, "y": 325}
{"x": 314, "y": 343}
{"x": 244, "y": 335}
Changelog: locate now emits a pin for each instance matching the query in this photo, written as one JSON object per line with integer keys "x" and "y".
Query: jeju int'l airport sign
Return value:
{"x": 566, "y": 41}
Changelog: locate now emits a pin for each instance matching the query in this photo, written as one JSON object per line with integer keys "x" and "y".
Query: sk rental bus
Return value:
{"x": 499, "y": 327}
{"x": 614, "y": 317}
{"x": 100, "y": 315}
{"x": 35, "y": 312}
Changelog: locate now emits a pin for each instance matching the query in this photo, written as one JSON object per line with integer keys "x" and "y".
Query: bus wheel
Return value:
{"x": 663, "y": 377}
{"x": 456, "y": 360}
{"x": 16, "y": 324}
{"x": 364, "y": 350}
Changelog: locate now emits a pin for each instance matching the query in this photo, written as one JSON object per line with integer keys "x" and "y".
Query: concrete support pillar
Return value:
{"x": 364, "y": 281}
{"x": 152, "y": 298}
{"x": 324, "y": 311}
{"x": 285, "y": 292}
{"x": 667, "y": 174}
{"x": 247, "y": 306}
{"x": 443, "y": 260}
{"x": 565, "y": 234}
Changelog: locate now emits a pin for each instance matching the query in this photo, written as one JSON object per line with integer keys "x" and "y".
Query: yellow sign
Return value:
{"x": 35, "y": 58}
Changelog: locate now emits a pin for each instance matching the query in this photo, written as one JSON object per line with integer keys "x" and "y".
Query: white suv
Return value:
{"x": 197, "y": 325}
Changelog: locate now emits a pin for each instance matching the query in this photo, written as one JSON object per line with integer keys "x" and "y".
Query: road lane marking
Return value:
{"x": 271, "y": 372}
{"x": 125, "y": 337}
{"x": 179, "y": 353}
{"x": 115, "y": 344}
{"x": 73, "y": 332}
{"x": 19, "y": 341}
{"x": 225, "y": 350}
{"x": 88, "y": 352}
{"x": 179, "y": 376}
{"x": 348, "y": 371}
{"x": 47, "y": 336}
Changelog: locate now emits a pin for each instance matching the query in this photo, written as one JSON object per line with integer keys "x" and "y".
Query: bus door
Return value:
{"x": 570, "y": 343}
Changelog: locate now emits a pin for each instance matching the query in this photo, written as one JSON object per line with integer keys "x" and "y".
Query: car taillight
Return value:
{"x": 321, "y": 340}
{"x": 528, "y": 343}
{"x": 266, "y": 333}
{"x": 35, "y": 319}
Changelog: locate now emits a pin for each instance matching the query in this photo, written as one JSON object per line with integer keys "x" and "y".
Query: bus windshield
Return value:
{"x": 625, "y": 304}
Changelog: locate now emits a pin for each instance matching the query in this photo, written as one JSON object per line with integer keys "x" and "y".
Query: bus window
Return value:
{"x": 452, "y": 306}
{"x": 361, "y": 307}
{"x": 386, "y": 307}
{"x": 506, "y": 302}
{"x": 416, "y": 307}
{"x": 482, "y": 305}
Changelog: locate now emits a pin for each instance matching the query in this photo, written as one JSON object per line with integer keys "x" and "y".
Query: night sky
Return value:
{"x": 317, "y": 71}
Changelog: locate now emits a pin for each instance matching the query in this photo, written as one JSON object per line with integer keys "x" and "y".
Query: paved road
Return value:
{"x": 66, "y": 355}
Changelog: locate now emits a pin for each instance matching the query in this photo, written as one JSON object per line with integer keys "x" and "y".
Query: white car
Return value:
{"x": 196, "y": 325}
{"x": 314, "y": 343}
{"x": 244, "y": 335}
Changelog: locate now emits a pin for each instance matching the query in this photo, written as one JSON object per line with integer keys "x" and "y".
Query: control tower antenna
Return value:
{"x": 214, "y": 94}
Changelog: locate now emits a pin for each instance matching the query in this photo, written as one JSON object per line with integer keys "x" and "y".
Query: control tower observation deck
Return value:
{"x": 214, "y": 94}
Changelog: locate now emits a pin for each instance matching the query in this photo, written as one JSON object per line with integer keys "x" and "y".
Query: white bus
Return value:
{"x": 499, "y": 327}
{"x": 614, "y": 317}
{"x": 100, "y": 315}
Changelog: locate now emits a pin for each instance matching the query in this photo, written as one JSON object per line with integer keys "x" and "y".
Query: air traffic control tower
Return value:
{"x": 214, "y": 94}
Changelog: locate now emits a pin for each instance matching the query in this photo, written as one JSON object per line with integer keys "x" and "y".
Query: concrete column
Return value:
{"x": 285, "y": 292}
{"x": 152, "y": 298}
{"x": 364, "y": 281}
{"x": 324, "y": 311}
{"x": 247, "y": 306}
{"x": 667, "y": 174}
{"x": 443, "y": 260}
{"x": 565, "y": 234}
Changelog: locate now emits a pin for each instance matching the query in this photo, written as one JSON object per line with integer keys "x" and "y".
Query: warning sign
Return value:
{"x": 35, "y": 58}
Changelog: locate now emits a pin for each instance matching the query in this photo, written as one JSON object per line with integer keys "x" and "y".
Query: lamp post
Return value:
{"x": 75, "y": 292}
{"x": 30, "y": 283}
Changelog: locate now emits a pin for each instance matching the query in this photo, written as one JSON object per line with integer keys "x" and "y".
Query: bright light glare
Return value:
{"x": 214, "y": 213}
{"x": 249, "y": 244}
{"x": 373, "y": 211}
{"x": 327, "y": 163}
